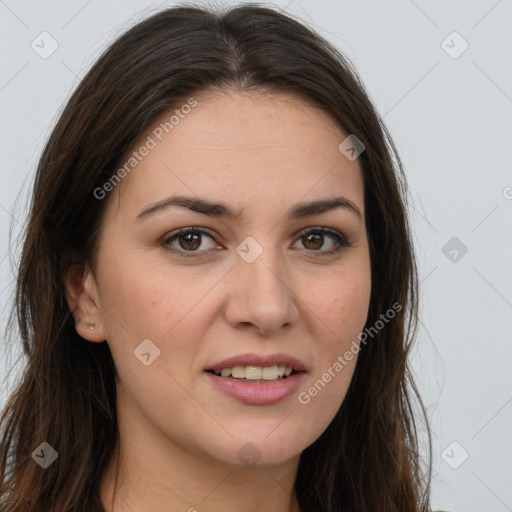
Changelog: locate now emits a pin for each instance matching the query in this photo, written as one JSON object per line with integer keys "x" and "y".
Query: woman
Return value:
{"x": 217, "y": 291}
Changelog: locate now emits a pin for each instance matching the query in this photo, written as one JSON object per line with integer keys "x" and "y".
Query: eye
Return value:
{"x": 189, "y": 240}
{"x": 313, "y": 239}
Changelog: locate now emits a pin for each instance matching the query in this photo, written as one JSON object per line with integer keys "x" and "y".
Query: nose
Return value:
{"x": 261, "y": 295}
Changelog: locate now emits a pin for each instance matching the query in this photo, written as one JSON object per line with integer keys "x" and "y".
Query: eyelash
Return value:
{"x": 341, "y": 240}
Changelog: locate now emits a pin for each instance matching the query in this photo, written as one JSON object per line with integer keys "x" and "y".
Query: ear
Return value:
{"x": 82, "y": 298}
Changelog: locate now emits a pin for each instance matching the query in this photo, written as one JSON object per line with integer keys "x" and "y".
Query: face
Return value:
{"x": 270, "y": 285}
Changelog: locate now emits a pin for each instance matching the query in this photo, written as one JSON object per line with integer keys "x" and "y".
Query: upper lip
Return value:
{"x": 259, "y": 360}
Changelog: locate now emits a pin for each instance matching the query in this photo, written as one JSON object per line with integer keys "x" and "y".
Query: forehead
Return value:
{"x": 244, "y": 148}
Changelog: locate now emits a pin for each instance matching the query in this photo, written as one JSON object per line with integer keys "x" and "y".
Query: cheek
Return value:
{"x": 344, "y": 310}
{"x": 349, "y": 310}
{"x": 345, "y": 317}
{"x": 342, "y": 305}
{"x": 341, "y": 309}
{"x": 142, "y": 303}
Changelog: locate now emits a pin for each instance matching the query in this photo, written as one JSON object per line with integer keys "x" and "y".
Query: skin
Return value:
{"x": 264, "y": 153}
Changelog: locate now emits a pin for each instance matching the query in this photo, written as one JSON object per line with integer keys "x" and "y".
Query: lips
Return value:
{"x": 258, "y": 392}
{"x": 259, "y": 360}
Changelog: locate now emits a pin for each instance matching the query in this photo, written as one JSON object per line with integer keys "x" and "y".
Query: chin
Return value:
{"x": 261, "y": 449}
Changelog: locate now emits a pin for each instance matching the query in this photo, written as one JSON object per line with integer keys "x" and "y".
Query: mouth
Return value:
{"x": 256, "y": 374}
{"x": 258, "y": 380}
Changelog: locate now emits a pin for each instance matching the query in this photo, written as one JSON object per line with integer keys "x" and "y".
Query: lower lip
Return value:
{"x": 256, "y": 393}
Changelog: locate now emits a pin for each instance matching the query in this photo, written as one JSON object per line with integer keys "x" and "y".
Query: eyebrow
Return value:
{"x": 214, "y": 209}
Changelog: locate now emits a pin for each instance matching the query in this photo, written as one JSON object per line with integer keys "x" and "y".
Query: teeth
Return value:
{"x": 256, "y": 372}
{"x": 253, "y": 372}
{"x": 238, "y": 372}
{"x": 270, "y": 373}
{"x": 226, "y": 372}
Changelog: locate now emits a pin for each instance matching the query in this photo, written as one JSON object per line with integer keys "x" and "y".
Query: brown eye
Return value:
{"x": 314, "y": 239}
{"x": 189, "y": 240}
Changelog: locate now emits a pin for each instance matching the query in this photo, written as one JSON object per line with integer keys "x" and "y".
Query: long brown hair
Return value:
{"x": 368, "y": 458}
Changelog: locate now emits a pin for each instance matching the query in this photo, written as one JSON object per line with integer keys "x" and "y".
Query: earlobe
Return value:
{"x": 80, "y": 296}
{"x": 89, "y": 331}
{"x": 89, "y": 325}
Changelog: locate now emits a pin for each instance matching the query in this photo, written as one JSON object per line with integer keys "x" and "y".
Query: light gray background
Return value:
{"x": 451, "y": 120}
